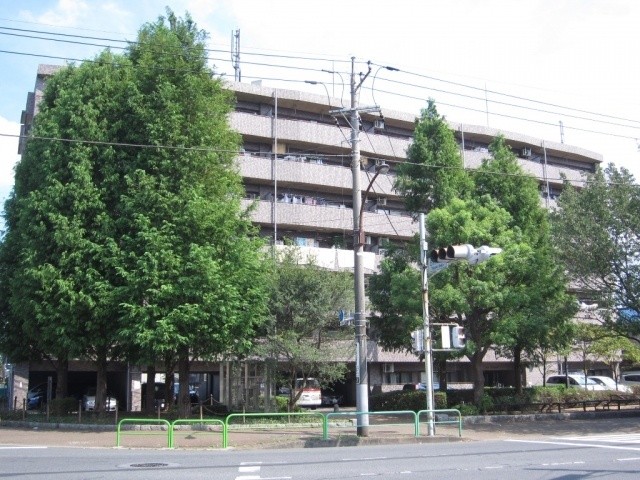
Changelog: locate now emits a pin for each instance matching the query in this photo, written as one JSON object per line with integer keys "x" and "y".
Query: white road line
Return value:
{"x": 570, "y": 444}
{"x": 249, "y": 469}
{"x": 630, "y": 459}
{"x": 618, "y": 438}
{"x": 21, "y": 447}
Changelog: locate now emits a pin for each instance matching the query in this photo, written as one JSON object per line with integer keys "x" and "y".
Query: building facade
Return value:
{"x": 296, "y": 167}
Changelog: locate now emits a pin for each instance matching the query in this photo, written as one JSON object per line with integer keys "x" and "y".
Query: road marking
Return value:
{"x": 613, "y": 438}
{"x": 494, "y": 468}
{"x": 630, "y": 459}
{"x": 570, "y": 444}
{"x": 555, "y": 464}
{"x": 255, "y": 468}
{"x": 21, "y": 447}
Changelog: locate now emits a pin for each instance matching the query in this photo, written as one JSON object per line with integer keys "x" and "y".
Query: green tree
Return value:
{"x": 61, "y": 284}
{"x": 597, "y": 233}
{"x": 538, "y": 309}
{"x": 433, "y": 174}
{"x": 193, "y": 267}
{"x": 515, "y": 301}
{"x": 303, "y": 331}
{"x": 395, "y": 296}
{"x": 127, "y": 250}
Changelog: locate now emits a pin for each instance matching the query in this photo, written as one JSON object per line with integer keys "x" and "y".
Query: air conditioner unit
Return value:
{"x": 381, "y": 201}
{"x": 387, "y": 367}
{"x": 526, "y": 152}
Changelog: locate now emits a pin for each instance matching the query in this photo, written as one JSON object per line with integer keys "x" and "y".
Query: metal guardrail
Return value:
{"x": 265, "y": 426}
{"x": 142, "y": 421}
{"x": 435, "y": 413}
{"x": 323, "y": 419}
{"x": 410, "y": 413}
{"x": 210, "y": 421}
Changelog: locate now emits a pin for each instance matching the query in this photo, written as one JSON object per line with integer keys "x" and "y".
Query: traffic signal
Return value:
{"x": 464, "y": 252}
{"x": 417, "y": 340}
{"x": 458, "y": 337}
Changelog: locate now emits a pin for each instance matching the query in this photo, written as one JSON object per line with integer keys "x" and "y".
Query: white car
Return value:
{"x": 630, "y": 379}
{"x": 610, "y": 384}
{"x": 579, "y": 381}
{"x": 89, "y": 401}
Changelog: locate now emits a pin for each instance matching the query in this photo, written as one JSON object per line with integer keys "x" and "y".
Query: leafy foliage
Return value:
{"x": 115, "y": 251}
{"x": 597, "y": 233}
{"x": 302, "y": 330}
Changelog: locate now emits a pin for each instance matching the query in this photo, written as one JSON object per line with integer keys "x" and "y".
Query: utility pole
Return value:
{"x": 362, "y": 374}
{"x": 360, "y": 315}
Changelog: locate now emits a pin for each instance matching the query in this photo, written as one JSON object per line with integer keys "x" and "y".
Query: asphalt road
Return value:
{"x": 563, "y": 457}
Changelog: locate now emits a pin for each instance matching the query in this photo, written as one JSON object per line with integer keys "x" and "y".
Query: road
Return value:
{"x": 550, "y": 457}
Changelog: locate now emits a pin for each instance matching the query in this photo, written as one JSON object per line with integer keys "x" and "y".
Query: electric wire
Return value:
{"x": 298, "y": 58}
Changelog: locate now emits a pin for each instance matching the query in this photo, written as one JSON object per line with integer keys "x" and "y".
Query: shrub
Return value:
{"x": 486, "y": 404}
{"x": 414, "y": 400}
{"x": 467, "y": 409}
{"x": 63, "y": 406}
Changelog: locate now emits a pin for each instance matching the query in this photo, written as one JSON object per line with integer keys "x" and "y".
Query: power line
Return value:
{"x": 240, "y": 152}
{"x": 324, "y": 59}
{"x": 298, "y": 58}
{"x": 516, "y": 96}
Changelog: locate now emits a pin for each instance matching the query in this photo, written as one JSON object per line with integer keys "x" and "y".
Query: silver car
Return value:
{"x": 89, "y": 401}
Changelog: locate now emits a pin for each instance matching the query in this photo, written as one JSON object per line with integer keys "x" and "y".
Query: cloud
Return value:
{"x": 65, "y": 14}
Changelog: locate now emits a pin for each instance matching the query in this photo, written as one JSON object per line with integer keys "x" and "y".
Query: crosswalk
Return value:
{"x": 622, "y": 438}
{"x": 622, "y": 441}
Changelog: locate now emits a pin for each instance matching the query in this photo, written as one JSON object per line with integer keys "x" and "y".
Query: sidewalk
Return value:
{"x": 475, "y": 429}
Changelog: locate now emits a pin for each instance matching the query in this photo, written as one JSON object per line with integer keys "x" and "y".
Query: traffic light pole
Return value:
{"x": 428, "y": 346}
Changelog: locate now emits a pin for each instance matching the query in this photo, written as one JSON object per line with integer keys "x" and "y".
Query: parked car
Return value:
{"x": 310, "y": 396}
{"x": 89, "y": 401}
{"x": 330, "y": 398}
{"x": 37, "y": 396}
{"x": 158, "y": 396}
{"x": 194, "y": 398}
{"x": 578, "y": 381}
{"x": 419, "y": 386}
{"x": 610, "y": 384}
{"x": 630, "y": 379}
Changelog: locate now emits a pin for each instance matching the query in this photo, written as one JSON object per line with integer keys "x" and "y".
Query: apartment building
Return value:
{"x": 296, "y": 166}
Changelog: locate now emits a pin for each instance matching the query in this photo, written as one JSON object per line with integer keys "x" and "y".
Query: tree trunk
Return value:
{"x": 62, "y": 378}
{"x": 442, "y": 373}
{"x": 184, "y": 402}
{"x": 149, "y": 394}
{"x": 477, "y": 371}
{"x": 517, "y": 366}
{"x": 101, "y": 383}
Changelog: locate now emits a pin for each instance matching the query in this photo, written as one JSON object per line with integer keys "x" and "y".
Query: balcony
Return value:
{"x": 330, "y": 218}
{"x": 315, "y": 177}
{"x": 311, "y": 133}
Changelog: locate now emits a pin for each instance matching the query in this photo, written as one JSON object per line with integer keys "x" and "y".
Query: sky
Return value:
{"x": 516, "y": 66}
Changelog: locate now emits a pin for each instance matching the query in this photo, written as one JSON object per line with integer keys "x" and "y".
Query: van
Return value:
{"x": 630, "y": 379}
{"x": 311, "y": 396}
{"x": 578, "y": 381}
